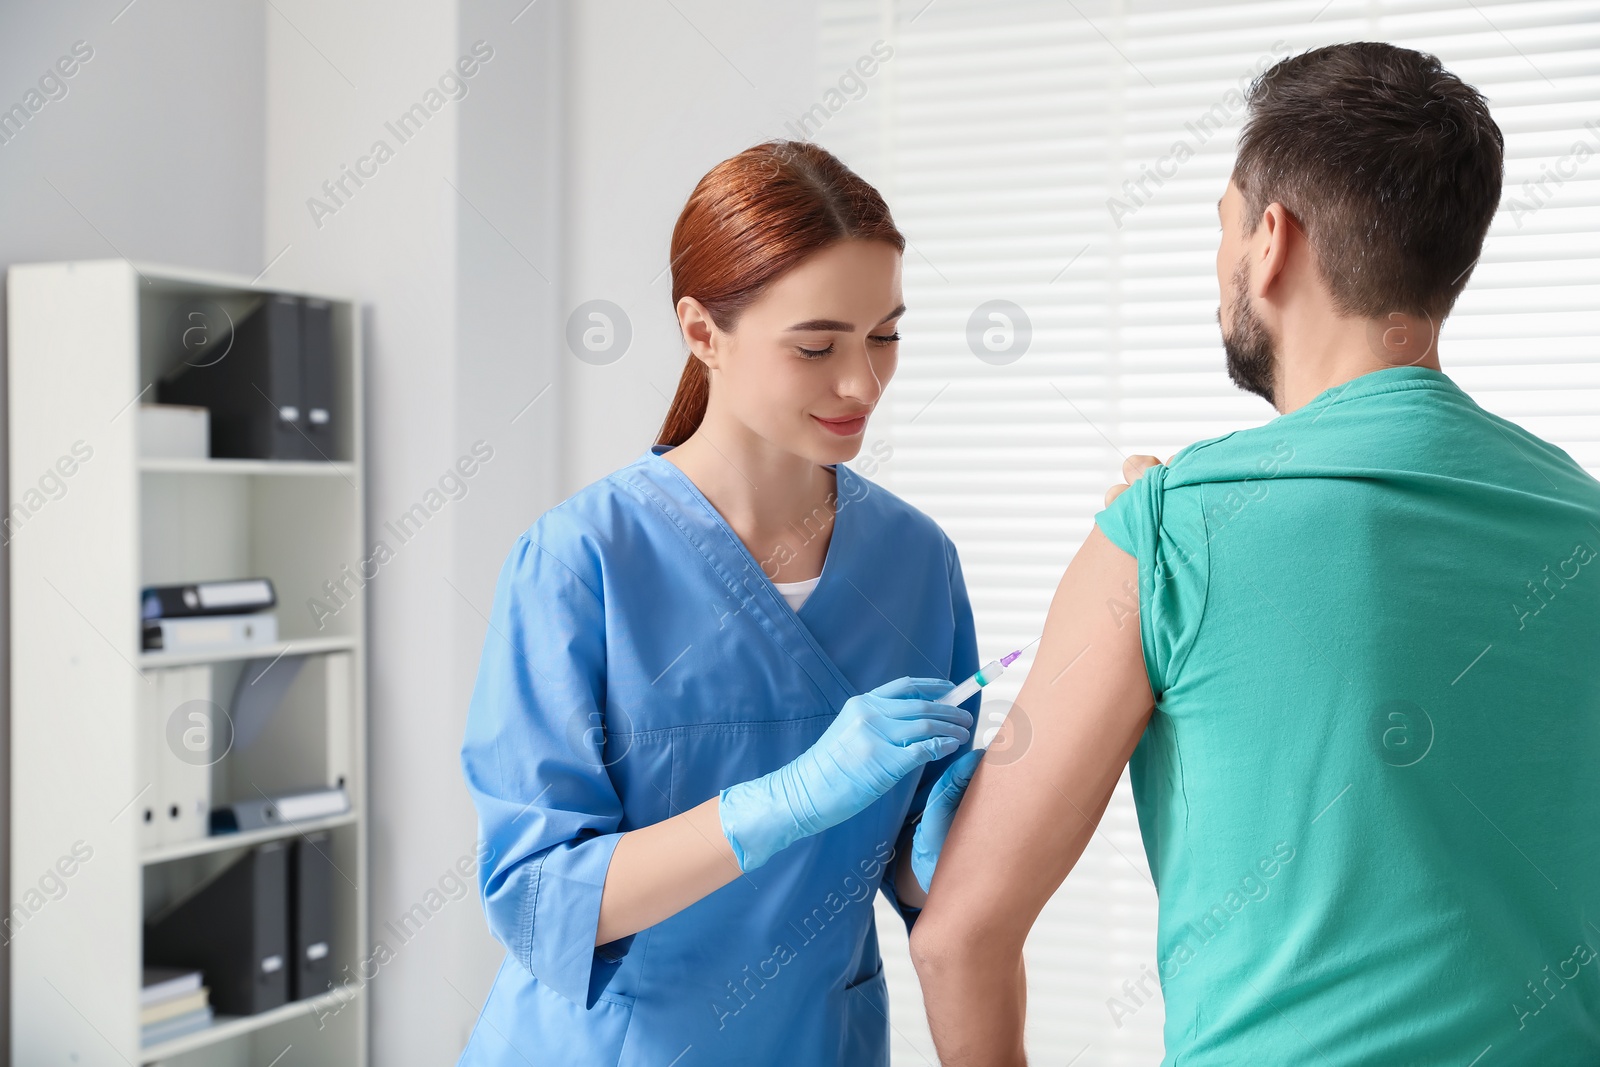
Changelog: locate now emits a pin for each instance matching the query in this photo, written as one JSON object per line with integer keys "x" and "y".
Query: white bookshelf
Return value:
{"x": 87, "y": 340}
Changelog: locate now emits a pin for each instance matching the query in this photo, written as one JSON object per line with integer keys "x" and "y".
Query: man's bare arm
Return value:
{"x": 1031, "y": 808}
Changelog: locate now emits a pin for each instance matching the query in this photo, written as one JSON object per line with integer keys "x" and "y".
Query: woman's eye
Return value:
{"x": 814, "y": 353}
{"x": 885, "y": 339}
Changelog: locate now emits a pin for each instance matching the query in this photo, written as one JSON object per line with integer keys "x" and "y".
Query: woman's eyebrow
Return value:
{"x": 836, "y": 326}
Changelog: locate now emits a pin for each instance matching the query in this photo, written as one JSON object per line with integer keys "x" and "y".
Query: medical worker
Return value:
{"x": 704, "y": 724}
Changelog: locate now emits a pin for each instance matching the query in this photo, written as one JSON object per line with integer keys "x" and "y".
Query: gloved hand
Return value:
{"x": 939, "y": 813}
{"x": 876, "y": 740}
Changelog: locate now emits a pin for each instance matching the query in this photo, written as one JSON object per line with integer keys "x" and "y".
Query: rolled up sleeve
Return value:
{"x": 534, "y": 762}
{"x": 1161, "y": 522}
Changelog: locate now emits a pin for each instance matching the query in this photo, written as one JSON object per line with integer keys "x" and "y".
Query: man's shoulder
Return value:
{"x": 1242, "y": 455}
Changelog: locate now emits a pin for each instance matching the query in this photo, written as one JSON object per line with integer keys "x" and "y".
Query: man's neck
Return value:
{"x": 1312, "y": 361}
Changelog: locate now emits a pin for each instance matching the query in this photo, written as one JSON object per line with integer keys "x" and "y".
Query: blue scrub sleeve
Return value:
{"x": 963, "y": 661}
{"x": 534, "y": 765}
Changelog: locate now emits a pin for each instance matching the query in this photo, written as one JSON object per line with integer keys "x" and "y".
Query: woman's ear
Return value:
{"x": 700, "y": 333}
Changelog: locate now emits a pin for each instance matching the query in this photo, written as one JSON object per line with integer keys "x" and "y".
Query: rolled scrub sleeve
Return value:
{"x": 1161, "y": 523}
{"x": 963, "y": 661}
{"x": 547, "y": 810}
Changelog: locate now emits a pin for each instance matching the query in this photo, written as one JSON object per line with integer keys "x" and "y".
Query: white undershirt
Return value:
{"x": 796, "y": 592}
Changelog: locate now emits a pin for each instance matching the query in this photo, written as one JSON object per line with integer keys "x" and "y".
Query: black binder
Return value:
{"x": 233, "y": 928}
{"x": 311, "y": 904}
{"x": 316, "y": 374}
{"x": 235, "y": 596}
{"x": 254, "y": 390}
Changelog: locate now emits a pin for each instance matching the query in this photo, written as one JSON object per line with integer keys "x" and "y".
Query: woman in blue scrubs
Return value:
{"x": 704, "y": 724}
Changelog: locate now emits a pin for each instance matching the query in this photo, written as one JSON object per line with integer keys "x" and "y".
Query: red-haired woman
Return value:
{"x": 705, "y": 717}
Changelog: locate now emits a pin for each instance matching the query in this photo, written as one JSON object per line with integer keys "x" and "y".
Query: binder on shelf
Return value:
{"x": 175, "y": 802}
{"x": 316, "y": 373}
{"x": 284, "y": 809}
{"x": 205, "y": 633}
{"x": 237, "y": 597}
{"x": 311, "y": 915}
{"x": 339, "y": 715}
{"x": 150, "y": 728}
{"x": 254, "y": 390}
{"x": 234, "y": 928}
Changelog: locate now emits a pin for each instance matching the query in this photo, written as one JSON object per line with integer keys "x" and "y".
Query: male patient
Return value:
{"x": 1351, "y": 656}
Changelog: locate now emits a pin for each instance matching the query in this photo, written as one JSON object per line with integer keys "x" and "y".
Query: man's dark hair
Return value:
{"x": 1390, "y": 163}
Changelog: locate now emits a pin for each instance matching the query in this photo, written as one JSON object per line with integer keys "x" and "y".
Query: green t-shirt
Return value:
{"x": 1370, "y": 791}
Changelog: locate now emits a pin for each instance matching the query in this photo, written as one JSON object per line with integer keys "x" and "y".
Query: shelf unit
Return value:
{"x": 91, "y": 522}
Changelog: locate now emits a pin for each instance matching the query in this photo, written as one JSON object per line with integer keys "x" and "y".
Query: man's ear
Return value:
{"x": 1278, "y": 231}
{"x": 699, "y": 331}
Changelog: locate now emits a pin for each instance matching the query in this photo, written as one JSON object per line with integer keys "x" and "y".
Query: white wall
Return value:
{"x": 658, "y": 93}
{"x": 454, "y": 244}
{"x": 440, "y": 375}
{"x": 508, "y": 393}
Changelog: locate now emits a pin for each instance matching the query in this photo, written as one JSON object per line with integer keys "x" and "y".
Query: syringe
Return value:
{"x": 986, "y": 674}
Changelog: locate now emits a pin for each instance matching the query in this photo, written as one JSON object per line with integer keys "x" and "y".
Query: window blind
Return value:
{"x": 1054, "y": 166}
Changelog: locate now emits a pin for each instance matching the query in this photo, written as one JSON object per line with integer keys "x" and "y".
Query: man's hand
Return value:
{"x": 1132, "y": 468}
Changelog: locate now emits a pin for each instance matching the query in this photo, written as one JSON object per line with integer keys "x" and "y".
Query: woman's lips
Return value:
{"x": 843, "y": 427}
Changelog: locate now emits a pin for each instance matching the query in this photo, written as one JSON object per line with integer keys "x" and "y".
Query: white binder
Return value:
{"x": 182, "y": 753}
{"x": 338, "y": 713}
{"x": 150, "y": 808}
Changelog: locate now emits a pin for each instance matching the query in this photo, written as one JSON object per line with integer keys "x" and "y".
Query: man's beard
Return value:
{"x": 1252, "y": 355}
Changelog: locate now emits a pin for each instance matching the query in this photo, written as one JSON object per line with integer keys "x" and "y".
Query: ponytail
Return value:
{"x": 688, "y": 404}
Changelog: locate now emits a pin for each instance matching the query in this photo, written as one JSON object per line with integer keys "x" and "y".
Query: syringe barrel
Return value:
{"x": 986, "y": 674}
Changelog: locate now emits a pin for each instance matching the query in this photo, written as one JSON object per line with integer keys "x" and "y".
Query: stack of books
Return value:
{"x": 171, "y": 1004}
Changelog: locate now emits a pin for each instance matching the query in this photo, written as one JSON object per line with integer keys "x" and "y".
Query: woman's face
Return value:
{"x": 808, "y": 360}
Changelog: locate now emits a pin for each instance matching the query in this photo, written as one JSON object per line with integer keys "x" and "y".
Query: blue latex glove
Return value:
{"x": 876, "y": 740}
{"x": 939, "y": 813}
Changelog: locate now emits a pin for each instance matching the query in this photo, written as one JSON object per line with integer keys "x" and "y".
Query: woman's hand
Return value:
{"x": 1132, "y": 468}
{"x": 939, "y": 813}
{"x": 875, "y": 741}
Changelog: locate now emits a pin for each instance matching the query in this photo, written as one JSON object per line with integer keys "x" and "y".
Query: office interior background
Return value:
{"x": 1054, "y": 165}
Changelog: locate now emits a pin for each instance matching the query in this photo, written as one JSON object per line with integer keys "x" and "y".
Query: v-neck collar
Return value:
{"x": 785, "y": 623}
{"x": 827, "y": 578}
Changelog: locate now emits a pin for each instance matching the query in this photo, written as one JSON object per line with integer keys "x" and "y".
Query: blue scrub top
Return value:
{"x": 637, "y": 662}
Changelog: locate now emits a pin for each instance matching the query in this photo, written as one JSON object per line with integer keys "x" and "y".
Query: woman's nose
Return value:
{"x": 862, "y": 381}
